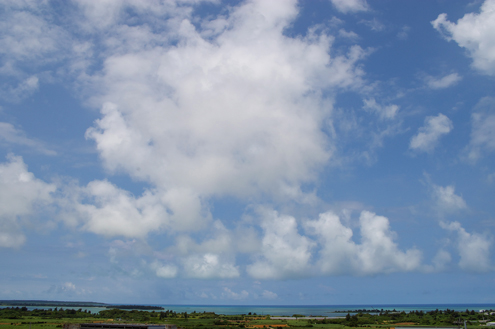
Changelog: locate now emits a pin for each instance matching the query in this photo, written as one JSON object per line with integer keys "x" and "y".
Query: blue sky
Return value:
{"x": 247, "y": 152}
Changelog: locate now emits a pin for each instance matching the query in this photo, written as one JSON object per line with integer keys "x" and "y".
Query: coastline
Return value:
{"x": 275, "y": 310}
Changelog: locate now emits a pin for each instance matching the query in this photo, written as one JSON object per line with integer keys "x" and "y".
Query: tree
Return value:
{"x": 353, "y": 321}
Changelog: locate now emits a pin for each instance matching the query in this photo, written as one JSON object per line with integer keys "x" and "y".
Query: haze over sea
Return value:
{"x": 307, "y": 310}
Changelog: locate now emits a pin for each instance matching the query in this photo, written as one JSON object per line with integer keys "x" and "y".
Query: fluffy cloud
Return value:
{"x": 377, "y": 252}
{"x": 476, "y": 33}
{"x": 385, "y": 112}
{"x": 30, "y": 43}
{"x": 232, "y": 109}
{"x": 21, "y": 194}
{"x": 482, "y": 129}
{"x": 209, "y": 266}
{"x": 284, "y": 252}
{"x": 165, "y": 271}
{"x": 338, "y": 249}
{"x": 237, "y": 113}
{"x": 428, "y": 135}
{"x": 474, "y": 249}
{"x": 28, "y": 35}
{"x": 348, "y": 34}
{"x": 105, "y": 209}
{"x": 443, "y": 82}
{"x": 350, "y": 6}
{"x": 101, "y": 16}
{"x": 212, "y": 258}
{"x": 446, "y": 199}
{"x": 287, "y": 253}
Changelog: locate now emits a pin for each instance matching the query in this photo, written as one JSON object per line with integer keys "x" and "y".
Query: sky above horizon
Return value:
{"x": 247, "y": 152}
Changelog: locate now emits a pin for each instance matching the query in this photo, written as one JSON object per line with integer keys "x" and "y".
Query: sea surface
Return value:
{"x": 289, "y": 310}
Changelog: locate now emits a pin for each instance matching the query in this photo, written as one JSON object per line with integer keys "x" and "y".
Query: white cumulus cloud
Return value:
{"x": 209, "y": 266}
{"x": 377, "y": 252}
{"x": 108, "y": 210}
{"x": 284, "y": 252}
{"x": 474, "y": 248}
{"x": 238, "y": 113}
{"x": 476, "y": 33}
{"x": 21, "y": 195}
{"x": 427, "y": 137}
{"x": 338, "y": 250}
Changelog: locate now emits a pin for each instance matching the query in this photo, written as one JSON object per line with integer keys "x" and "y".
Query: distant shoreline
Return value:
{"x": 50, "y": 303}
{"x": 44, "y": 303}
{"x": 279, "y": 310}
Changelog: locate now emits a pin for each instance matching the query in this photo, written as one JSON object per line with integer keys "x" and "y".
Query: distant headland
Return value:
{"x": 41, "y": 303}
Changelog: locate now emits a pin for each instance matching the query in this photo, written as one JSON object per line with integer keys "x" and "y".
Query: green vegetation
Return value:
{"x": 137, "y": 307}
{"x": 21, "y": 318}
{"x": 437, "y": 318}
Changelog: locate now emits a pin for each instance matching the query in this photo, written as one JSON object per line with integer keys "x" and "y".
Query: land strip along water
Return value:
{"x": 289, "y": 310}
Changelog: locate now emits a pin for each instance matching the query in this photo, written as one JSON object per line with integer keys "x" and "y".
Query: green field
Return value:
{"x": 21, "y": 318}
